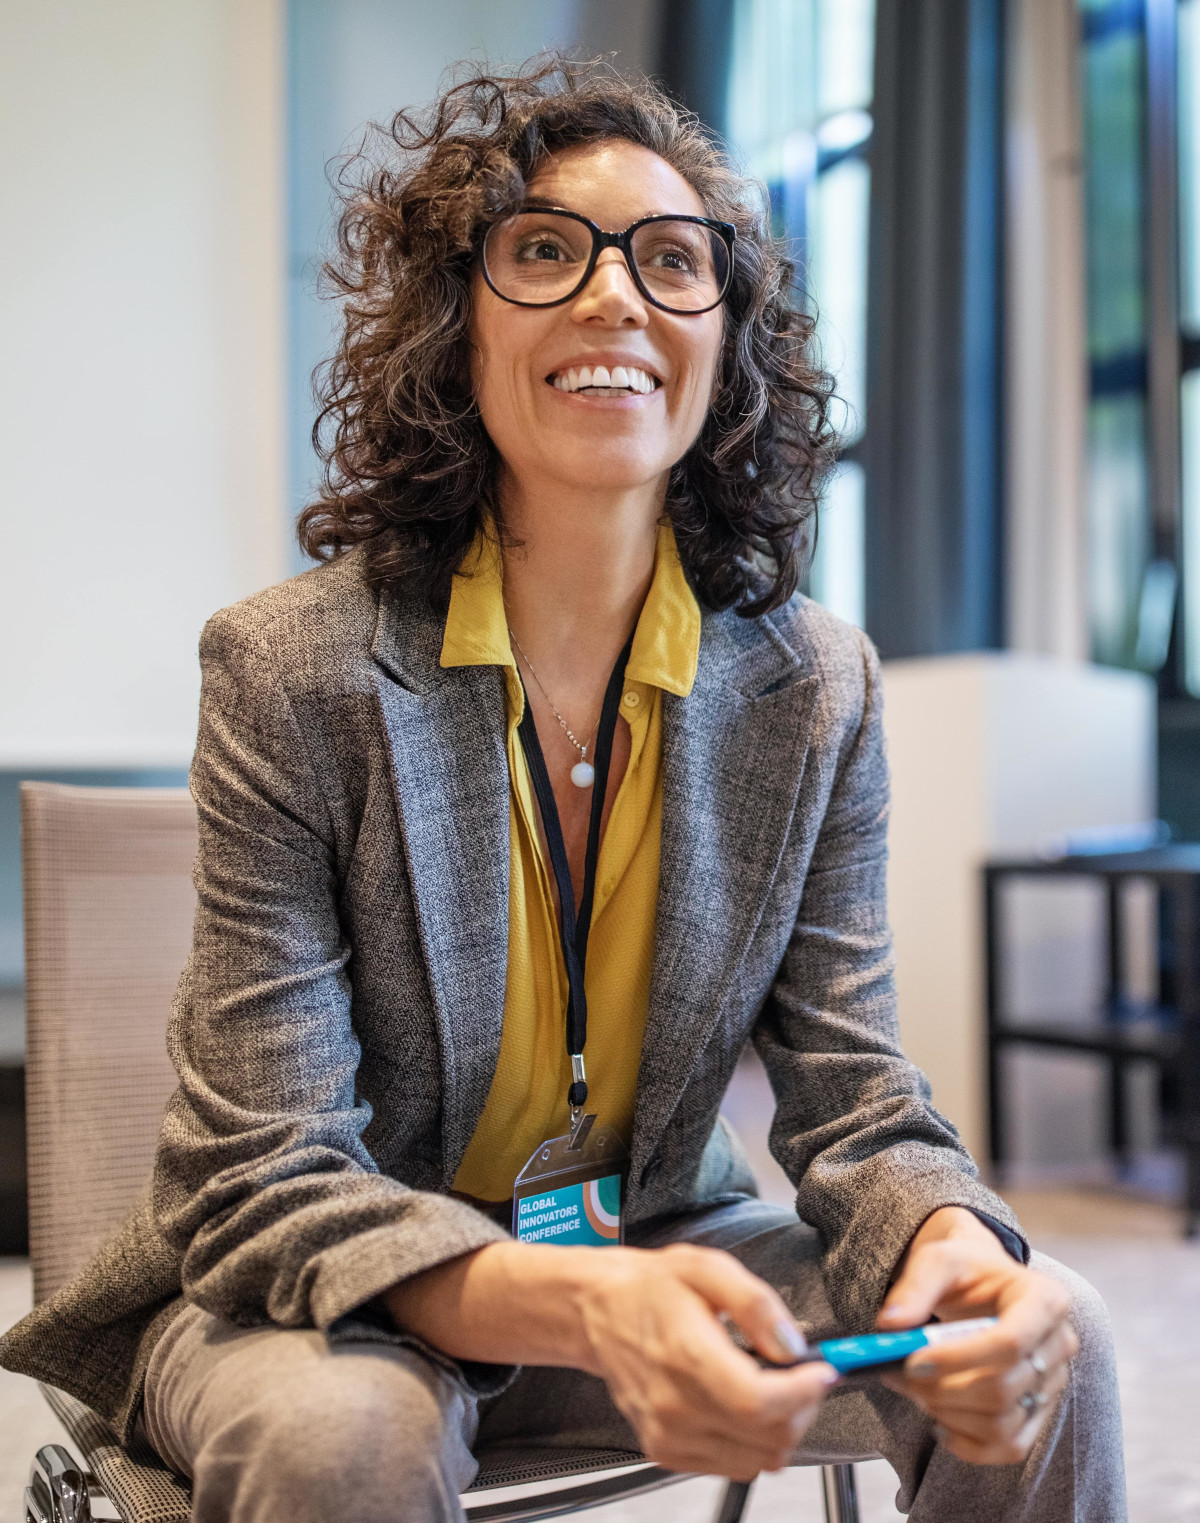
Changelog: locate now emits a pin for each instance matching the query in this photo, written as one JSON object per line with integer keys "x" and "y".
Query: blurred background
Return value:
{"x": 994, "y": 210}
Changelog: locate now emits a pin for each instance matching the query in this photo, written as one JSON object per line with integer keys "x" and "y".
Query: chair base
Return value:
{"x": 601, "y": 1488}
{"x": 143, "y": 1490}
{"x": 838, "y": 1491}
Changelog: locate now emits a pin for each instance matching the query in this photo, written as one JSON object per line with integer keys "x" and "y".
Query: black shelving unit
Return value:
{"x": 14, "y": 1205}
{"x": 1166, "y": 1033}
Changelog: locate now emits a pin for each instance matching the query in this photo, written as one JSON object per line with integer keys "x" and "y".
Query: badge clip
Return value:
{"x": 572, "y": 1190}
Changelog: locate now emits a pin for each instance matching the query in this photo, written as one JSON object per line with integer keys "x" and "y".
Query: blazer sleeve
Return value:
{"x": 854, "y": 1128}
{"x": 262, "y": 1181}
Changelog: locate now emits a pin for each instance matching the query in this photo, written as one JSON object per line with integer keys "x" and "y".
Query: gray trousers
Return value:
{"x": 272, "y": 1423}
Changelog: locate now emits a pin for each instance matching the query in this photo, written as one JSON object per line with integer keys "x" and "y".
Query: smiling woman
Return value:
{"x": 519, "y": 818}
{"x": 595, "y": 312}
{"x": 440, "y": 208}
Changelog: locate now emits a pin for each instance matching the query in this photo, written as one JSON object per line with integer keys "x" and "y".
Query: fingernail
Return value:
{"x": 940, "y": 1433}
{"x": 922, "y": 1369}
{"x": 829, "y": 1376}
{"x": 892, "y": 1311}
{"x": 790, "y": 1339}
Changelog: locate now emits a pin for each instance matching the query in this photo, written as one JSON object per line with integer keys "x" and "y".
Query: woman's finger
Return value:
{"x": 948, "y": 1410}
{"x": 981, "y": 1427}
{"x": 947, "y": 1399}
{"x": 709, "y": 1451}
{"x": 673, "y": 1370}
{"x": 1026, "y": 1320}
{"x": 1016, "y": 1425}
{"x": 988, "y": 1389}
{"x": 755, "y": 1307}
{"x": 725, "y": 1385}
{"x": 748, "y": 1403}
{"x": 924, "y": 1283}
{"x": 703, "y": 1381}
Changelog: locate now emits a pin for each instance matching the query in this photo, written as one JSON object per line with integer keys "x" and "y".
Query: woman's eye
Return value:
{"x": 540, "y": 249}
{"x": 675, "y": 259}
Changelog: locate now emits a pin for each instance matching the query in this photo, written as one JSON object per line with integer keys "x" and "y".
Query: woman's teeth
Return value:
{"x": 599, "y": 378}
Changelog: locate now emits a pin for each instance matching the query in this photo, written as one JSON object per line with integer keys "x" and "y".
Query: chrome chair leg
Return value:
{"x": 58, "y": 1489}
{"x": 840, "y": 1493}
{"x": 733, "y": 1502}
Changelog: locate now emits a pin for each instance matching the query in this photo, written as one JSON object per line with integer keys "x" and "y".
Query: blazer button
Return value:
{"x": 651, "y": 1171}
{"x": 631, "y": 700}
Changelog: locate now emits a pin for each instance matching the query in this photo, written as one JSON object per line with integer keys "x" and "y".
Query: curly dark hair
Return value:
{"x": 409, "y": 471}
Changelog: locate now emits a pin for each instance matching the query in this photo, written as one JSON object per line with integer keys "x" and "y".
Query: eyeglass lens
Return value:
{"x": 538, "y": 258}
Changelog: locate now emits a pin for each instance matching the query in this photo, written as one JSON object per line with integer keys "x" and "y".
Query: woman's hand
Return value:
{"x": 695, "y": 1401}
{"x": 651, "y": 1323}
{"x": 988, "y": 1394}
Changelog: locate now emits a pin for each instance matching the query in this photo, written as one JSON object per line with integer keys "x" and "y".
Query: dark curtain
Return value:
{"x": 694, "y": 55}
{"x": 933, "y": 446}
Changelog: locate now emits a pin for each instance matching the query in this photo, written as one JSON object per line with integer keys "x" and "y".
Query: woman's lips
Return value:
{"x": 605, "y": 381}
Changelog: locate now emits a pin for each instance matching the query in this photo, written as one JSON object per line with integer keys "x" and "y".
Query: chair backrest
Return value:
{"x": 109, "y": 905}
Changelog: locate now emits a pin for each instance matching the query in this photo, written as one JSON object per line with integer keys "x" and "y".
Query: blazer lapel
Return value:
{"x": 733, "y": 756}
{"x": 445, "y": 732}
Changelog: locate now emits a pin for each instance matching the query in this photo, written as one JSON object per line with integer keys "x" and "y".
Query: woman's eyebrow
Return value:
{"x": 546, "y": 203}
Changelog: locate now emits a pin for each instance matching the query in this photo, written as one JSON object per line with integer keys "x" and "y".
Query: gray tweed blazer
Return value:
{"x": 338, "y": 1023}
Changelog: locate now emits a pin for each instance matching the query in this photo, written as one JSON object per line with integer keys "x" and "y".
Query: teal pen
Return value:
{"x": 872, "y": 1350}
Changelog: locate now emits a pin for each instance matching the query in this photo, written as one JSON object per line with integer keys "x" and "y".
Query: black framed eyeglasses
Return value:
{"x": 541, "y": 256}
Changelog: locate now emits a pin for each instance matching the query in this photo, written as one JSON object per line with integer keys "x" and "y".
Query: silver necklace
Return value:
{"x": 583, "y": 774}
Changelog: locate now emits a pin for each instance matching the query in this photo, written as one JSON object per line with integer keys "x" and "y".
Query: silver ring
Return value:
{"x": 1039, "y": 1365}
{"x": 1032, "y": 1401}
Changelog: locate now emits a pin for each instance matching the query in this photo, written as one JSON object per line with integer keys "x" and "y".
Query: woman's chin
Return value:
{"x": 616, "y": 468}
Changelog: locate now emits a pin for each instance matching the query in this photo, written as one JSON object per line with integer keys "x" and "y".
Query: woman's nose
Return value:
{"x": 611, "y": 294}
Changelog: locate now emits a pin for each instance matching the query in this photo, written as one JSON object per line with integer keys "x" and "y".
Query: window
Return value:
{"x": 1120, "y": 542}
{"x": 798, "y": 110}
{"x": 1189, "y": 310}
{"x": 1132, "y": 578}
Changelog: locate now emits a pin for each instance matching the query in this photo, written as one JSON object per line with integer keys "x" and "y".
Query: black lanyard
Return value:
{"x": 573, "y": 929}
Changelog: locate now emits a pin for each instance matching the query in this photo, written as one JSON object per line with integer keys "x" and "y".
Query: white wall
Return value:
{"x": 144, "y": 390}
{"x": 141, "y": 394}
{"x": 992, "y": 754}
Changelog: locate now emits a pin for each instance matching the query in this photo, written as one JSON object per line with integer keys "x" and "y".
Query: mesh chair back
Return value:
{"x": 109, "y": 905}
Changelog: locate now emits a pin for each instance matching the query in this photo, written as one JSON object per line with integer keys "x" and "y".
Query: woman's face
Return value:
{"x": 579, "y": 439}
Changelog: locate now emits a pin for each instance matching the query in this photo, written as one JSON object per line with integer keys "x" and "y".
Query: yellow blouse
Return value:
{"x": 528, "y": 1099}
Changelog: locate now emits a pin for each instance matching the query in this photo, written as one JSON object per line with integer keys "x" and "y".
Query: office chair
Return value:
{"x": 109, "y": 904}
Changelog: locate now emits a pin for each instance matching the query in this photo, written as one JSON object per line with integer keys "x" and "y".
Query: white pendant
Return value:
{"x": 583, "y": 774}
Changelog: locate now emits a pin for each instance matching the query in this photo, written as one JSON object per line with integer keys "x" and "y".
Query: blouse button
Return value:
{"x": 631, "y": 700}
